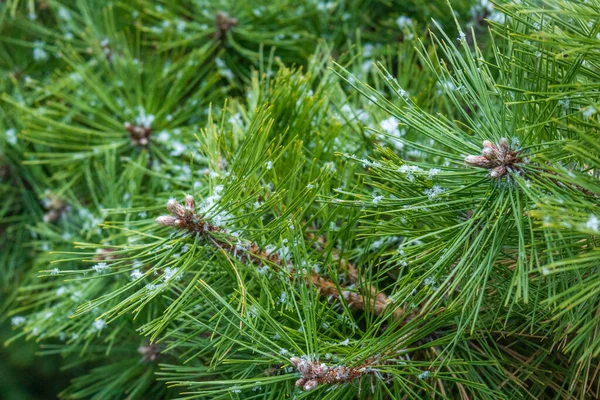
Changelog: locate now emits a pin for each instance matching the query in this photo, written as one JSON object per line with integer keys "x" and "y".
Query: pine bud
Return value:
{"x": 477, "y": 161}
{"x": 189, "y": 201}
{"x": 498, "y": 172}
{"x": 224, "y": 23}
{"x": 175, "y": 208}
{"x": 488, "y": 145}
{"x": 149, "y": 352}
{"x": 310, "y": 385}
{"x": 499, "y": 160}
{"x": 51, "y": 216}
{"x": 503, "y": 147}
{"x": 489, "y": 153}
{"x": 167, "y": 220}
{"x": 300, "y": 382}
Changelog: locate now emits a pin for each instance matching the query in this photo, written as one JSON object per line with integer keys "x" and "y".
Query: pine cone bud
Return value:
{"x": 488, "y": 145}
{"x": 175, "y": 208}
{"x": 51, "y": 216}
{"x": 310, "y": 385}
{"x": 503, "y": 147}
{"x": 489, "y": 153}
{"x": 478, "y": 161}
{"x": 498, "y": 172}
{"x": 189, "y": 201}
{"x": 167, "y": 220}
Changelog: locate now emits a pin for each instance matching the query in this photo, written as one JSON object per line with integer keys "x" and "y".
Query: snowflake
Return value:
{"x": 409, "y": 170}
{"x": 63, "y": 13}
{"x": 170, "y": 273}
{"x": 564, "y": 103}
{"x": 283, "y": 298}
{"x": 390, "y": 126}
{"x": 545, "y": 271}
{"x": 434, "y": 192}
{"x": 38, "y": 53}
{"x": 433, "y": 172}
{"x": 592, "y": 223}
{"x": 100, "y": 267}
{"x": 588, "y": 111}
{"x": 99, "y": 324}
{"x": 144, "y": 120}
{"x": 11, "y": 136}
{"x": 424, "y": 375}
{"x": 403, "y": 22}
{"x": 136, "y": 274}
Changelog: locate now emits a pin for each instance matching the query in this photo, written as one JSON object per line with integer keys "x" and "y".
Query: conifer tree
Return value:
{"x": 345, "y": 199}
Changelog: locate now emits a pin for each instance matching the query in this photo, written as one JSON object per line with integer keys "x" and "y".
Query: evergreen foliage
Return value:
{"x": 302, "y": 199}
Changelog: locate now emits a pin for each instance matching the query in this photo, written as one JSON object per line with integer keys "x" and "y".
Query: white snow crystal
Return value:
{"x": 592, "y": 223}
{"x": 409, "y": 171}
{"x": 39, "y": 54}
{"x": 100, "y": 267}
{"x": 434, "y": 192}
{"x": 433, "y": 172}
{"x": 403, "y": 21}
{"x": 99, "y": 324}
{"x": 545, "y": 271}
{"x": 377, "y": 199}
{"x": 136, "y": 274}
{"x": 588, "y": 111}
{"x": 170, "y": 273}
{"x": 63, "y": 13}
{"x": 390, "y": 126}
{"x": 424, "y": 375}
{"x": 11, "y": 136}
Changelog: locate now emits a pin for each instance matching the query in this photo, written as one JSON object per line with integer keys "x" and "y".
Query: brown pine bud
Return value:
{"x": 503, "y": 147}
{"x": 498, "y": 172}
{"x": 167, "y": 220}
{"x": 52, "y": 216}
{"x": 175, "y": 208}
{"x": 489, "y": 145}
{"x": 224, "y": 23}
{"x": 129, "y": 127}
{"x": 149, "y": 352}
{"x": 310, "y": 385}
{"x": 189, "y": 202}
{"x": 489, "y": 153}
{"x": 498, "y": 159}
{"x": 477, "y": 161}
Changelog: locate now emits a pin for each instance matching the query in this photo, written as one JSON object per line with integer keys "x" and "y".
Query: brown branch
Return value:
{"x": 186, "y": 218}
{"x": 314, "y": 373}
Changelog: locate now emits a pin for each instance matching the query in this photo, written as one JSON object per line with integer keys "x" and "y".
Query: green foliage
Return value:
{"x": 334, "y": 200}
